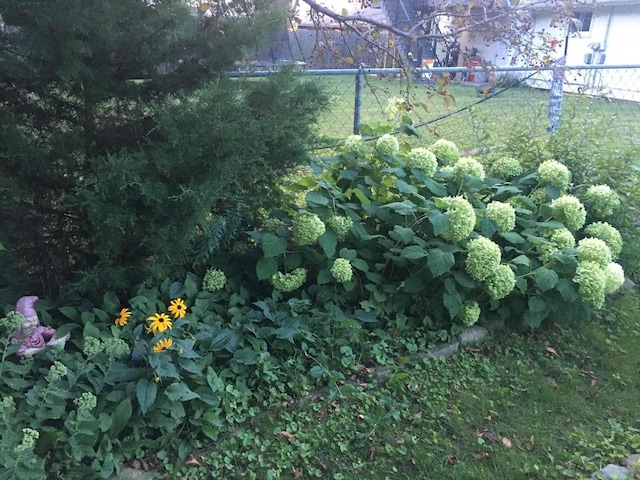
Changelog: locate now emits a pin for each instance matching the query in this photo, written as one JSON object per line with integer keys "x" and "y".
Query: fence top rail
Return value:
{"x": 392, "y": 71}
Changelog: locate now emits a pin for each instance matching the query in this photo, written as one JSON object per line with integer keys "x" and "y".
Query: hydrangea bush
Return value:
{"x": 431, "y": 234}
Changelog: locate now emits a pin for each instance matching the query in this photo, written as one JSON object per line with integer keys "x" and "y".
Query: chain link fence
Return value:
{"x": 479, "y": 107}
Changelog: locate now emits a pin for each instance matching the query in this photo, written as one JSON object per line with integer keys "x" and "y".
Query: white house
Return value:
{"x": 607, "y": 33}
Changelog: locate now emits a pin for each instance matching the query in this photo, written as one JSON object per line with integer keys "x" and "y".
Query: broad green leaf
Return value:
{"x": 552, "y": 192}
{"x": 567, "y": 290}
{"x": 178, "y": 391}
{"x": 273, "y": 246}
{"x": 464, "y": 280}
{"x": 190, "y": 286}
{"x": 521, "y": 260}
{"x": 404, "y": 187}
{"x": 453, "y": 303}
{"x": 246, "y": 356}
{"x": 146, "y": 393}
{"x": 404, "y": 234}
{"x": 315, "y": 199}
{"x": 328, "y": 242}
{"x": 220, "y": 340}
{"x": 110, "y": 301}
{"x": 440, "y": 222}
{"x": 348, "y": 254}
{"x": 413, "y": 252}
{"x": 402, "y": 208}
{"x": 440, "y": 262}
{"x": 62, "y": 330}
{"x": 513, "y": 237}
{"x": 532, "y": 319}
{"x": 488, "y": 227}
{"x": 413, "y": 285}
{"x": 324, "y": 276}
{"x": 537, "y": 304}
{"x": 266, "y": 267}
{"x": 70, "y": 312}
{"x": 316, "y": 371}
{"x": 120, "y": 417}
{"x": 176, "y": 290}
{"x": 545, "y": 279}
{"x": 360, "y": 264}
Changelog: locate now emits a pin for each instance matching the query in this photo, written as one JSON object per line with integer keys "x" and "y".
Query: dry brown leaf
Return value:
{"x": 452, "y": 459}
{"x": 296, "y": 474}
{"x": 506, "y": 442}
{"x": 322, "y": 464}
{"x": 192, "y": 461}
{"x": 372, "y": 453}
{"x": 551, "y": 351}
{"x": 480, "y": 455}
{"x": 287, "y": 435}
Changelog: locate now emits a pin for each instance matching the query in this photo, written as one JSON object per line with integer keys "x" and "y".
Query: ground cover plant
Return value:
{"x": 388, "y": 245}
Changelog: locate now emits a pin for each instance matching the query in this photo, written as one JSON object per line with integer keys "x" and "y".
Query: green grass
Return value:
{"x": 558, "y": 403}
{"x": 486, "y": 125}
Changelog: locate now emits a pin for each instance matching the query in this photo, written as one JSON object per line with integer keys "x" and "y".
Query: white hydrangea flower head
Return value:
{"x": 387, "y": 145}
{"x": 539, "y": 196}
{"x": 355, "y": 145}
{"x": 341, "y": 225}
{"x": 613, "y": 277}
{"x": 505, "y": 168}
{"x": 288, "y": 282}
{"x": 395, "y": 105}
{"x": 562, "y": 238}
{"x": 601, "y": 200}
{"x": 501, "y": 282}
{"x": 469, "y": 166}
{"x": 470, "y": 313}
{"x": 446, "y": 151}
{"x": 214, "y": 279}
{"x": 423, "y": 159}
{"x": 591, "y": 280}
{"x": 462, "y": 218}
{"x": 307, "y": 227}
{"x": 609, "y": 234}
{"x": 483, "y": 257}
{"x": 554, "y": 173}
{"x": 342, "y": 270}
{"x": 503, "y": 214}
{"x": 594, "y": 250}
{"x": 569, "y": 210}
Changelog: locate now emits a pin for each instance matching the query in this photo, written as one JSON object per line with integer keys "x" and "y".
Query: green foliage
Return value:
{"x": 119, "y": 143}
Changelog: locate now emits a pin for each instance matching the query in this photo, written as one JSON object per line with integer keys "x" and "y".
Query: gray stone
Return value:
{"x": 612, "y": 472}
{"x": 628, "y": 284}
{"x": 128, "y": 473}
{"x": 473, "y": 334}
{"x": 444, "y": 350}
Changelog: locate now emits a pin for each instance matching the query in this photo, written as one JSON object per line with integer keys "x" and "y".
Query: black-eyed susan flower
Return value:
{"x": 163, "y": 345}
{"x": 123, "y": 318}
{"x": 159, "y": 322}
{"x": 177, "y": 308}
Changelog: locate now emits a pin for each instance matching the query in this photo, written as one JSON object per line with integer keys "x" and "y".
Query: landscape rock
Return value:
{"x": 444, "y": 350}
{"x": 127, "y": 473}
{"x": 473, "y": 334}
{"x": 631, "y": 460}
{"x": 612, "y": 472}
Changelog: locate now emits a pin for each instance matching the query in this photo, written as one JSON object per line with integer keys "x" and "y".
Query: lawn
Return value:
{"x": 558, "y": 403}
{"x": 482, "y": 121}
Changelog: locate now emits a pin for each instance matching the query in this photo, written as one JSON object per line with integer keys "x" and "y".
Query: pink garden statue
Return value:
{"x": 33, "y": 336}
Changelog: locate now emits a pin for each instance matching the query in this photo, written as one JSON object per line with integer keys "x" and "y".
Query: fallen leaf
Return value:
{"x": 192, "y": 461}
{"x": 400, "y": 441}
{"x": 593, "y": 382}
{"x": 322, "y": 464}
{"x": 480, "y": 455}
{"x": 452, "y": 459}
{"x": 296, "y": 474}
{"x": 372, "y": 453}
{"x": 286, "y": 435}
{"x": 551, "y": 351}
{"x": 506, "y": 442}
{"x": 552, "y": 382}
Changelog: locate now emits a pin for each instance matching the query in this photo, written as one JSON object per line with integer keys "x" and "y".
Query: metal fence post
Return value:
{"x": 555, "y": 101}
{"x": 357, "y": 107}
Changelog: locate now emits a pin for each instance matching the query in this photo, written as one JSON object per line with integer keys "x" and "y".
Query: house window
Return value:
{"x": 581, "y": 22}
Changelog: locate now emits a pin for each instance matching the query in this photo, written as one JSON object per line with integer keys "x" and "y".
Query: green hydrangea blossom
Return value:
{"x": 340, "y": 225}
{"x": 613, "y": 277}
{"x": 7, "y": 405}
{"x": 554, "y": 173}
{"x": 609, "y": 234}
{"x": 288, "y": 282}
{"x": 355, "y": 145}
{"x": 594, "y": 250}
{"x": 423, "y": 159}
{"x": 387, "y": 145}
{"x": 86, "y": 402}
{"x": 563, "y": 239}
{"x": 569, "y": 210}
{"x": 57, "y": 371}
{"x": 307, "y": 227}
{"x": 469, "y": 166}
{"x": 446, "y": 151}
{"x": 483, "y": 257}
{"x": 539, "y": 196}
{"x": 501, "y": 282}
{"x": 214, "y": 280}
{"x": 116, "y": 347}
{"x": 395, "y": 105}
{"x": 505, "y": 168}
{"x": 28, "y": 440}
{"x": 462, "y": 218}
{"x": 92, "y": 346}
{"x": 470, "y": 313}
{"x": 12, "y": 321}
{"x": 601, "y": 200}
{"x": 503, "y": 214}
{"x": 342, "y": 270}
{"x": 591, "y": 280}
